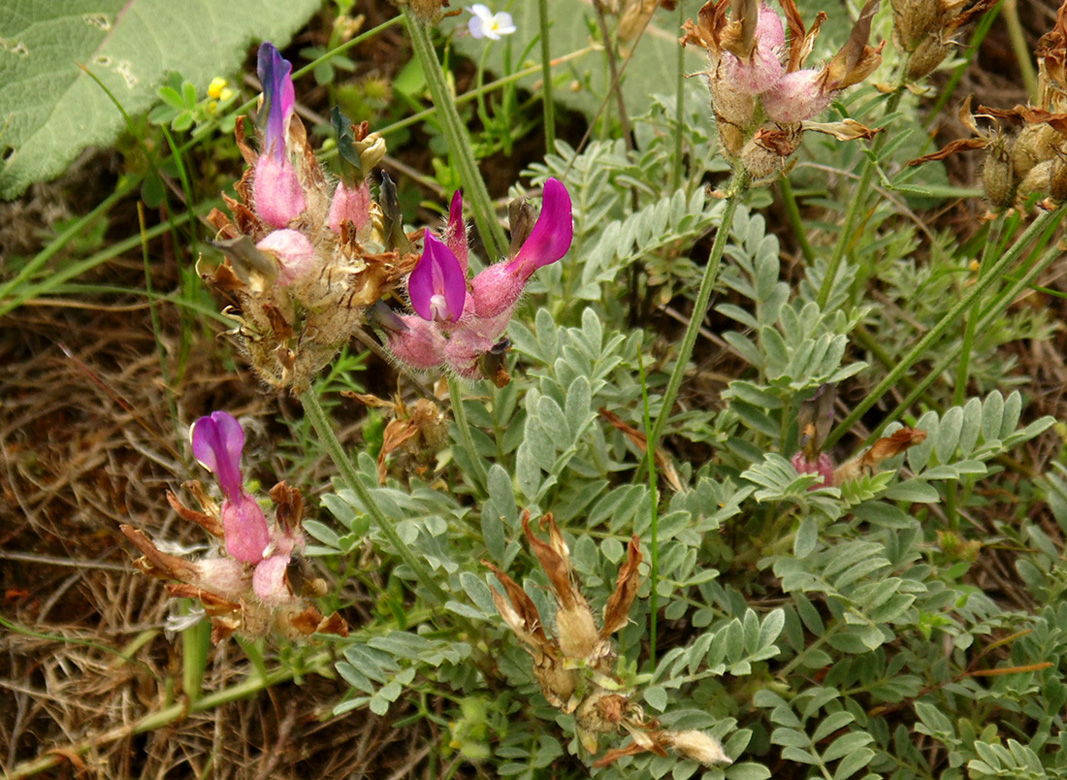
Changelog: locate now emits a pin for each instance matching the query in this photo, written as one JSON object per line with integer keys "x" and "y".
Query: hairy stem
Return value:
{"x": 455, "y": 132}
{"x": 459, "y": 414}
{"x": 738, "y": 185}
{"x": 313, "y": 409}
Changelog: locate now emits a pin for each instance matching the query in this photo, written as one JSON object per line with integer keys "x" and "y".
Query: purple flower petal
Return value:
{"x": 217, "y": 444}
{"x": 278, "y": 96}
{"x": 456, "y": 234}
{"x": 552, "y": 235}
{"x": 437, "y": 286}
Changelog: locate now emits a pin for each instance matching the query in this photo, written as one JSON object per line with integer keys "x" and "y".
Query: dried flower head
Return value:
{"x": 762, "y": 95}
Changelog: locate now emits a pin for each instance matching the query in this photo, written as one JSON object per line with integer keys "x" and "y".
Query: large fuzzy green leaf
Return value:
{"x": 50, "y": 108}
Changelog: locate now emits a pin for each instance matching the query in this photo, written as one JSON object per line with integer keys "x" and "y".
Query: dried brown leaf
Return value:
{"x": 617, "y": 610}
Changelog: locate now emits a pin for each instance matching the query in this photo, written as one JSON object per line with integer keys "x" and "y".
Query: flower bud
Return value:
{"x": 798, "y": 96}
{"x": 371, "y": 150}
{"x": 928, "y": 54}
{"x": 246, "y": 531}
{"x": 822, "y": 465}
{"x": 412, "y": 340}
{"x": 1057, "y": 185}
{"x": 225, "y": 576}
{"x": 1034, "y": 144}
{"x": 350, "y": 204}
{"x": 576, "y": 629}
{"x": 293, "y": 251}
{"x": 268, "y": 580}
{"x": 913, "y": 20}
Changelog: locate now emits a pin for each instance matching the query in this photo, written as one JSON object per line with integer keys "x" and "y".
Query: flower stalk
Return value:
{"x": 1000, "y": 268}
{"x": 455, "y": 133}
{"x": 736, "y": 190}
{"x": 319, "y": 421}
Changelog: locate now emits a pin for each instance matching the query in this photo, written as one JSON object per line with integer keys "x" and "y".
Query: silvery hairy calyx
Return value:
{"x": 252, "y": 584}
{"x": 305, "y": 253}
{"x": 763, "y": 95}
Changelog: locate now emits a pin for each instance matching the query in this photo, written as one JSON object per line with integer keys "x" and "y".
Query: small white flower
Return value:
{"x": 485, "y": 24}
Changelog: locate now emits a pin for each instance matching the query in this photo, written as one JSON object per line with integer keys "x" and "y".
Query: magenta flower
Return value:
{"x": 217, "y": 444}
{"x": 456, "y": 233}
{"x": 438, "y": 285}
{"x": 497, "y": 288}
{"x": 279, "y": 196}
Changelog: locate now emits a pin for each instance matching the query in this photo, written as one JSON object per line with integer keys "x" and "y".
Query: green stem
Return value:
{"x": 947, "y": 321}
{"x": 313, "y": 409}
{"x": 736, "y": 191}
{"x": 459, "y": 146}
{"x": 963, "y": 372}
{"x": 679, "y": 109}
{"x": 650, "y": 462}
{"x": 546, "y": 80}
{"x": 1020, "y": 47}
{"x": 857, "y": 205}
{"x": 76, "y": 229}
{"x": 54, "y": 280}
{"x": 459, "y": 414}
{"x": 792, "y": 213}
{"x": 993, "y": 310}
{"x": 473, "y": 94}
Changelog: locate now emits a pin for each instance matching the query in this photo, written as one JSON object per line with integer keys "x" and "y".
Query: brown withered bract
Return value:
{"x": 639, "y": 439}
{"x": 575, "y": 667}
{"x": 418, "y": 432}
{"x": 224, "y": 585}
{"x": 879, "y": 452}
{"x": 577, "y": 643}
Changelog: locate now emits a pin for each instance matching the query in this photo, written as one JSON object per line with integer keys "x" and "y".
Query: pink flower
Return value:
{"x": 823, "y": 465}
{"x": 294, "y": 252}
{"x": 412, "y": 340}
{"x": 279, "y": 196}
{"x": 350, "y": 204}
{"x": 498, "y": 287}
{"x": 217, "y": 444}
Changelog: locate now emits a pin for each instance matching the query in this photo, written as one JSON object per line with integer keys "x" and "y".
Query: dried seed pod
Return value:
{"x": 928, "y": 54}
{"x": 1034, "y": 144}
{"x": 913, "y": 20}
{"x": 998, "y": 176}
